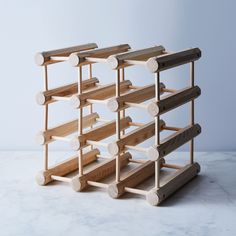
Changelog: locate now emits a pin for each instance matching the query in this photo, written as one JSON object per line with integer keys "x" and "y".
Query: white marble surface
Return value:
{"x": 206, "y": 206}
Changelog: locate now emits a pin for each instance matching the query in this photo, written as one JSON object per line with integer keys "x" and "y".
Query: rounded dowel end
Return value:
{"x": 40, "y": 178}
{"x": 40, "y": 138}
{"x": 39, "y": 59}
{"x": 152, "y": 153}
{"x": 152, "y": 198}
{"x": 113, "y": 191}
{"x": 74, "y": 60}
{"x": 40, "y": 98}
{"x": 75, "y": 184}
{"x": 153, "y": 109}
{"x": 113, "y": 104}
{"x": 75, "y": 143}
{"x": 75, "y": 101}
{"x": 112, "y": 62}
{"x": 152, "y": 65}
{"x": 113, "y": 149}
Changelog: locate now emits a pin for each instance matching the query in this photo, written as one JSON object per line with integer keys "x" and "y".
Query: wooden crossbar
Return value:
{"x": 171, "y": 60}
{"x": 43, "y": 58}
{"x": 65, "y": 167}
{"x": 46, "y": 97}
{"x": 65, "y": 129}
{"x": 77, "y": 59}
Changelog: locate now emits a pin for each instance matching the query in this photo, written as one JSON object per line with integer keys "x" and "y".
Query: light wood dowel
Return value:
{"x": 77, "y": 59}
{"x": 43, "y": 58}
{"x": 99, "y": 172}
{"x": 65, "y": 167}
{"x": 46, "y": 97}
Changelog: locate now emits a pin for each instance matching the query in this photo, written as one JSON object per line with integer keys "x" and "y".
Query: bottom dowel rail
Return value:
{"x": 133, "y": 178}
{"x": 65, "y": 167}
{"x": 99, "y": 172}
{"x": 179, "y": 178}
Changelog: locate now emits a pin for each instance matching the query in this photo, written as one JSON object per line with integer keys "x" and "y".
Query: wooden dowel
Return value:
{"x": 192, "y": 112}
{"x": 175, "y": 140}
{"x": 59, "y": 58}
{"x": 171, "y": 166}
{"x": 62, "y": 179}
{"x": 43, "y": 58}
{"x": 65, "y": 129}
{"x": 171, "y": 128}
{"x": 100, "y": 93}
{"x": 133, "y": 98}
{"x": 177, "y": 99}
{"x": 77, "y": 59}
{"x": 97, "y": 184}
{"x": 136, "y": 191}
{"x": 133, "y": 138}
{"x": 61, "y": 138}
{"x": 168, "y": 61}
{"x": 46, "y": 117}
{"x": 45, "y": 97}
{"x": 65, "y": 167}
{"x": 181, "y": 177}
{"x": 167, "y": 90}
{"x": 116, "y": 61}
{"x": 99, "y": 172}
{"x": 95, "y": 101}
{"x": 137, "y": 161}
{"x": 98, "y": 133}
{"x": 136, "y": 124}
{"x": 58, "y": 98}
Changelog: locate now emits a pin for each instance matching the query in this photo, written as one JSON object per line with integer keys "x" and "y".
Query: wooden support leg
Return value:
{"x": 181, "y": 177}
{"x": 99, "y": 172}
{"x": 65, "y": 167}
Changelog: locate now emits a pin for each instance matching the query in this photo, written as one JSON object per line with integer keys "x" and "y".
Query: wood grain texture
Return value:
{"x": 44, "y": 98}
{"x": 65, "y": 167}
{"x": 177, "y": 180}
{"x": 43, "y": 58}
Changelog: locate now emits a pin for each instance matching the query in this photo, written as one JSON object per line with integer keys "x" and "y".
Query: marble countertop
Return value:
{"x": 205, "y": 206}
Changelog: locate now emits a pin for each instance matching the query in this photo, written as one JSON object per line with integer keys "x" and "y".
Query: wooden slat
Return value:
{"x": 77, "y": 59}
{"x": 133, "y": 178}
{"x": 100, "y": 132}
{"x": 65, "y": 129}
{"x": 43, "y": 58}
{"x": 119, "y": 60}
{"x": 177, "y": 99}
{"x": 101, "y": 93}
{"x": 99, "y": 172}
{"x": 65, "y": 167}
{"x": 137, "y": 96}
{"x": 180, "y": 178}
{"x": 44, "y": 98}
{"x": 172, "y": 60}
{"x": 134, "y": 137}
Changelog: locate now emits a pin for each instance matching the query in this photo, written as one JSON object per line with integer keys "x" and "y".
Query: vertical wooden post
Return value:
{"x": 80, "y": 121}
{"x": 118, "y": 126}
{"x": 91, "y": 105}
{"x": 192, "y": 111}
{"x": 46, "y": 118}
{"x": 123, "y": 111}
{"x": 157, "y": 131}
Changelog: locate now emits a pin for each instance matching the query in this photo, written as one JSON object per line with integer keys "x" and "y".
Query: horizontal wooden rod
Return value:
{"x": 96, "y": 60}
{"x": 60, "y": 138}
{"x": 59, "y": 98}
{"x": 168, "y": 90}
{"x": 136, "y": 191}
{"x": 134, "y": 137}
{"x": 171, "y": 128}
{"x": 97, "y": 184}
{"x": 62, "y": 179}
{"x": 43, "y": 58}
{"x": 98, "y": 133}
{"x": 65, "y": 167}
{"x": 99, "y": 172}
{"x": 174, "y": 141}
{"x": 77, "y": 59}
{"x": 171, "y": 166}
{"x": 138, "y": 161}
{"x": 180, "y": 178}
{"x": 100, "y": 93}
{"x": 136, "y": 124}
{"x": 168, "y": 61}
{"x": 132, "y": 179}
{"x": 96, "y": 101}
{"x": 59, "y": 58}
{"x": 65, "y": 129}
{"x": 116, "y": 61}
{"x": 46, "y": 97}
{"x": 177, "y": 99}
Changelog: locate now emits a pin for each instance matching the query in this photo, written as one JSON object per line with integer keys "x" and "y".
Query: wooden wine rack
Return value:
{"x": 91, "y": 129}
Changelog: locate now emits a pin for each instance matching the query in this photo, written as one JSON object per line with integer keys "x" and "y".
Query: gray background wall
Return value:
{"x": 30, "y": 26}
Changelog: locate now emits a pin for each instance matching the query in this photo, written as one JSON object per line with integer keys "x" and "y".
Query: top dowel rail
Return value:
{"x": 134, "y": 57}
{"x": 97, "y": 55}
{"x": 44, "y": 58}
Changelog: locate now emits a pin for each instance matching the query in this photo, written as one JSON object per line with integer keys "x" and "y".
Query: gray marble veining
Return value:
{"x": 205, "y": 206}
